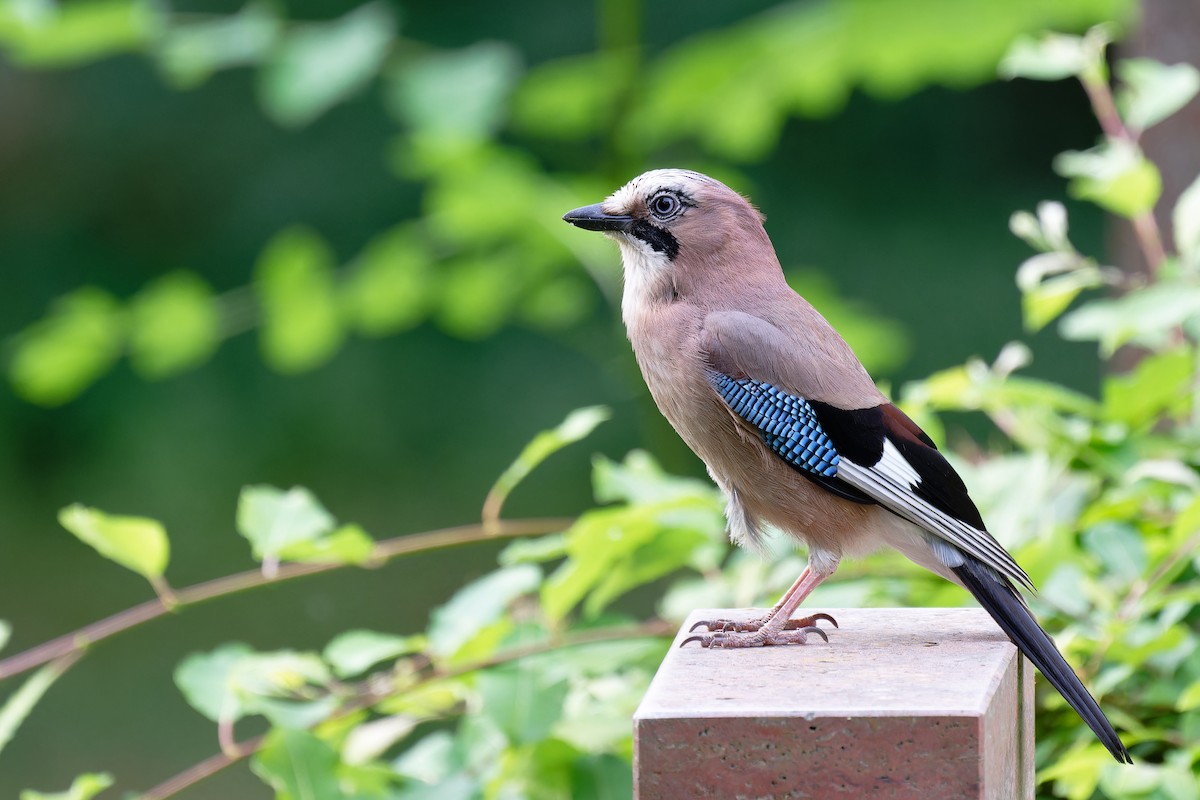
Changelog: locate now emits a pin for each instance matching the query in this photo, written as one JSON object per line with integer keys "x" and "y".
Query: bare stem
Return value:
{"x": 78, "y": 641}
{"x": 1150, "y": 239}
{"x": 1105, "y": 108}
{"x": 1145, "y": 226}
{"x": 369, "y": 695}
{"x": 204, "y": 769}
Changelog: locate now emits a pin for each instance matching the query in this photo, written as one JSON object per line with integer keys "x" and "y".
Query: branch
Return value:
{"x": 204, "y": 769}
{"x": 368, "y": 696}
{"x": 79, "y": 640}
{"x": 1145, "y": 226}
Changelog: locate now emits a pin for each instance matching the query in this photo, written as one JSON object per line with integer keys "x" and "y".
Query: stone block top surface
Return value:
{"x": 880, "y": 662}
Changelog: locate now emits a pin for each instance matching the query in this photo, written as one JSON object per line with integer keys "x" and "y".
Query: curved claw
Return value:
{"x": 825, "y": 617}
{"x": 703, "y": 622}
{"x": 699, "y": 639}
{"x": 816, "y": 630}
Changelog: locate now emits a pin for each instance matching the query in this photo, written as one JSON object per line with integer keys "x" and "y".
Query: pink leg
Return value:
{"x": 777, "y": 627}
{"x": 741, "y": 625}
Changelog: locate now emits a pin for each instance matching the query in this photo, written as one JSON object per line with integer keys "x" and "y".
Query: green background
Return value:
{"x": 110, "y": 177}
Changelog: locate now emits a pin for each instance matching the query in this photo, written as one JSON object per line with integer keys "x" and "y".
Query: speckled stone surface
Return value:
{"x": 901, "y": 703}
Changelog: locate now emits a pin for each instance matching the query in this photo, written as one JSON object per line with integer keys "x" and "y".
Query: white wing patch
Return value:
{"x": 891, "y": 483}
{"x": 892, "y": 463}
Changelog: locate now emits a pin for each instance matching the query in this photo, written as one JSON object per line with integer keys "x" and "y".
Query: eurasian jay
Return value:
{"x": 789, "y": 423}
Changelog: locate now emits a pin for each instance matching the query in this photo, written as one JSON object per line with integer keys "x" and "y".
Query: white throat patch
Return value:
{"x": 644, "y": 269}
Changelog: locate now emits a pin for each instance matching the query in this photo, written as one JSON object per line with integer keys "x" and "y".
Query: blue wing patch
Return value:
{"x": 789, "y": 425}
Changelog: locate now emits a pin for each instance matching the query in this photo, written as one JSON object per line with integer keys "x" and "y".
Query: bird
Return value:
{"x": 789, "y": 423}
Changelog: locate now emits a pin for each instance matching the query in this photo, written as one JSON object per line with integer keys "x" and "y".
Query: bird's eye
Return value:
{"x": 664, "y": 205}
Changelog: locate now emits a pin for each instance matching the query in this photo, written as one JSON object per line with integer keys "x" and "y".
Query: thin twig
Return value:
{"x": 1105, "y": 108}
{"x": 204, "y": 769}
{"x": 1145, "y": 226}
{"x": 79, "y": 640}
{"x": 369, "y": 695}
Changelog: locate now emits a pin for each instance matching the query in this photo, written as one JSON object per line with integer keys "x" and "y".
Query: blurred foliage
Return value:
{"x": 522, "y": 684}
{"x": 488, "y": 249}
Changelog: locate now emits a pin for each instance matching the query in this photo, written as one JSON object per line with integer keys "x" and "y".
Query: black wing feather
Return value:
{"x": 1000, "y": 600}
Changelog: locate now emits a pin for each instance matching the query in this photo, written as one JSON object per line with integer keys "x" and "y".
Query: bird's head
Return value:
{"x": 668, "y": 222}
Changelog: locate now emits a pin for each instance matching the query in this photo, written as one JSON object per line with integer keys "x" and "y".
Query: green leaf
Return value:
{"x": 457, "y": 94}
{"x": 1119, "y": 548}
{"x": 136, "y": 543}
{"x": 605, "y": 548}
{"x": 280, "y": 672}
{"x": 668, "y": 551}
{"x": 1077, "y": 772}
{"x": 578, "y": 425}
{"x": 572, "y": 98}
{"x": 206, "y": 681}
{"x": 21, "y": 702}
{"x": 1049, "y": 282}
{"x": 480, "y": 294}
{"x": 294, "y": 278}
{"x": 317, "y": 66}
{"x": 173, "y": 325}
{"x": 1115, "y": 175}
{"x": 65, "y": 35}
{"x": 84, "y": 787}
{"x": 480, "y": 745}
{"x": 1047, "y": 301}
{"x": 640, "y": 480}
{"x": 1186, "y": 221}
{"x": 190, "y": 51}
{"x": 808, "y": 58}
{"x": 446, "y": 767}
{"x": 1131, "y": 780}
{"x": 1147, "y": 316}
{"x": 473, "y": 180}
{"x": 354, "y": 652}
{"x": 369, "y": 740}
{"x": 64, "y": 353}
{"x": 597, "y": 711}
{"x": 430, "y": 760}
{"x": 5, "y": 633}
{"x": 538, "y": 550}
{"x": 478, "y": 604}
{"x": 432, "y": 699}
{"x": 349, "y": 544}
{"x": 274, "y": 520}
{"x": 1048, "y": 57}
{"x": 524, "y": 701}
{"x": 1153, "y": 91}
{"x": 1190, "y": 699}
{"x": 298, "y": 766}
{"x": 600, "y": 776}
{"x": 1046, "y": 232}
{"x": 234, "y": 681}
{"x": 1156, "y": 385}
{"x": 391, "y": 286}
{"x": 461, "y": 786}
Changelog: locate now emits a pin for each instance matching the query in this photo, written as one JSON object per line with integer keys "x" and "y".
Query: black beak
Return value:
{"x": 593, "y": 218}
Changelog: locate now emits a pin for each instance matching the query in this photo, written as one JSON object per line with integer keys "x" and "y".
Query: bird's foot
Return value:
{"x": 728, "y": 640}
{"x": 751, "y": 625}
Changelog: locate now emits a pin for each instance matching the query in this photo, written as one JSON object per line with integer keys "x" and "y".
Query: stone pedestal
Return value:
{"x": 901, "y": 703}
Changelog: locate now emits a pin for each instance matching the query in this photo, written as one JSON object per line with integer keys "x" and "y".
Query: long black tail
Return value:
{"x": 1002, "y": 602}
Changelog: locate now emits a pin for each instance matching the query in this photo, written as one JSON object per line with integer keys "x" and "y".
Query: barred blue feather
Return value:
{"x": 789, "y": 425}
